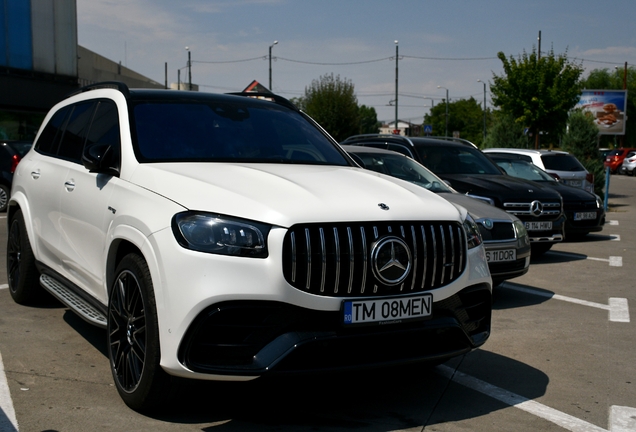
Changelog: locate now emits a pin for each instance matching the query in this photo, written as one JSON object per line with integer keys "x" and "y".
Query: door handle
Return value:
{"x": 35, "y": 174}
{"x": 69, "y": 185}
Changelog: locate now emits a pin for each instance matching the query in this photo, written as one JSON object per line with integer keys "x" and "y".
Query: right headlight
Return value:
{"x": 473, "y": 237}
{"x": 223, "y": 235}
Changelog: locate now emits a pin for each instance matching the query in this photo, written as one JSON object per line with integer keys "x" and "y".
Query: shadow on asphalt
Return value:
{"x": 93, "y": 335}
{"x": 510, "y": 295}
{"x": 554, "y": 257}
{"x": 376, "y": 400}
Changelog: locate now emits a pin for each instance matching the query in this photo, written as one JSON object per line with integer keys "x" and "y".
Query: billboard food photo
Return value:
{"x": 607, "y": 108}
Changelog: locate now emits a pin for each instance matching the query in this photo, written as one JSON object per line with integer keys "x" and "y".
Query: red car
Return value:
{"x": 614, "y": 159}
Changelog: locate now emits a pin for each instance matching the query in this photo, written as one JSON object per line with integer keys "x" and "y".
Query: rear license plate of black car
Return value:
{"x": 387, "y": 310}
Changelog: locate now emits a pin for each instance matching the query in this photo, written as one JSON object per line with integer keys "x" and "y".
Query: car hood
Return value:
{"x": 478, "y": 209}
{"x": 287, "y": 194}
{"x": 500, "y": 187}
{"x": 571, "y": 193}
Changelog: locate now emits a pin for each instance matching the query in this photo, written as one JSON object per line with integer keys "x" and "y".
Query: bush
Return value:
{"x": 581, "y": 139}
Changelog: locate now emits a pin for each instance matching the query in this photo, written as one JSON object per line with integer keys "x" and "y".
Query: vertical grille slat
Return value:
{"x": 308, "y": 242}
{"x": 335, "y": 259}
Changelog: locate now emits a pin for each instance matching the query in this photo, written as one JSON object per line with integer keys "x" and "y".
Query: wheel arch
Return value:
{"x": 19, "y": 202}
{"x": 126, "y": 240}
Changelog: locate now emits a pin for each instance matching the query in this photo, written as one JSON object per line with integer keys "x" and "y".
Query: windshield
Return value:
{"x": 524, "y": 170}
{"x": 456, "y": 160}
{"x": 403, "y": 167}
{"x": 192, "y": 131}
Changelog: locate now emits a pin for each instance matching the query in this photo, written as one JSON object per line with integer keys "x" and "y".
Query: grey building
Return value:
{"x": 41, "y": 62}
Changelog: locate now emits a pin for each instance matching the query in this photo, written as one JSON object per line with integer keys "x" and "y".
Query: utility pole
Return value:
{"x": 270, "y": 65}
{"x": 536, "y": 132}
{"x": 396, "y": 87}
{"x": 189, "y": 70}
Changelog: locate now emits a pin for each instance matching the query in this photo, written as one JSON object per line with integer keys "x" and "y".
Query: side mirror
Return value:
{"x": 100, "y": 158}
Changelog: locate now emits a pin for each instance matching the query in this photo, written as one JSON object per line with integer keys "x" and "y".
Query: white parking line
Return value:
{"x": 8, "y": 421}
{"x": 611, "y": 222}
{"x": 559, "y": 418}
{"x": 615, "y": 237}
{"x": 614, "y": 261}
{"x": 618, "y": 307}
{"x": 622, "y": 419}
{"x": 3, "y": 286}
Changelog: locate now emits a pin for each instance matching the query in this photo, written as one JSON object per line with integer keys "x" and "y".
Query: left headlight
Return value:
{"x": 223, "y": 235}
{"x": 473, "y": 237}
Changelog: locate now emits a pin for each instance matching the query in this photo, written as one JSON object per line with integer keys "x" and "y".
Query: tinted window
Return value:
{"x": 456, "y": 160}
{"x": 49, "y": 139}
{"x": 72, "y": 142}
{"x": 561, "y": 162}
{"x": 191, "y": 131}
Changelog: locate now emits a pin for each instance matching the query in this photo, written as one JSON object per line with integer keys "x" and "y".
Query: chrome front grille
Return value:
{"x": 338, "y": 259}
{"x": 550, "y": 208}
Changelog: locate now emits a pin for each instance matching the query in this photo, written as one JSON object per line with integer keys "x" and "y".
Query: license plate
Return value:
{"x": 388, "y": 310}
{"x": 501, "y": 255}
{"x": 575, "y": 183}
{"x": 538, "y": 226}
{"x": 584, "y": 216}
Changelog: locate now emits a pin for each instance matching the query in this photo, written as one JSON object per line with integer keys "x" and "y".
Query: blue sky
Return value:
{"x": 449, "y": 43}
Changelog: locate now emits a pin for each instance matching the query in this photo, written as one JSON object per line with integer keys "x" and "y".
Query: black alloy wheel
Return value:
{"x": 4, "y": 197}
{"x": 133, "y": 337}
{"x": 21, "y": 271}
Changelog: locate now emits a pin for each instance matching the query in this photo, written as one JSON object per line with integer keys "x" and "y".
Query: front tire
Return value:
{"x": 538, "y": 249}
{"x": 133, "y": 337}
{"x": 23, "y": 276}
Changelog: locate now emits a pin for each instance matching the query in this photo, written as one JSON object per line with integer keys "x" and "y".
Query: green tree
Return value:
{"x": 537, "y": 91}
{"x": 581, "y": 139}
{"x": 505, "y": 132}
{"x": 368, "y": 119}
{"x": 332, "y": 102}
{"x": 465, "y": 116}
{"x": 604, "y": 79}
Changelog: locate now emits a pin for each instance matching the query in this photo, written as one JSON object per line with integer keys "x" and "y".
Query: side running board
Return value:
{"x": 77, "y": 304}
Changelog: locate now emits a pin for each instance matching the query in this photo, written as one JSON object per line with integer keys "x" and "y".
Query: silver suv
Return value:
{"x": 223, "y": 237}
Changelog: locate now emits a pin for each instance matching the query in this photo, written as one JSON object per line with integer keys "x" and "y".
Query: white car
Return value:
{"x": 561, "y": 165}
{"x": 223, "y": 237}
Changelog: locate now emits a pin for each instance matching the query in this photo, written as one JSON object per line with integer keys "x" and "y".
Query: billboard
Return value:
{"x": 607, "y": 107}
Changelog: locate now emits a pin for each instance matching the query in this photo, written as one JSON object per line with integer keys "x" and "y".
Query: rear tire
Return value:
{"x": 133, "y": 338}
{"x": 23, "y": 276}
{"x": 5, "y": 194}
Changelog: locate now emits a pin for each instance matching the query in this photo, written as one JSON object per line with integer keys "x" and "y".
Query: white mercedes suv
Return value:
{"x": 223, "y": 237}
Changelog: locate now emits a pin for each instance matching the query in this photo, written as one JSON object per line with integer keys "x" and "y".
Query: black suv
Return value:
{"x": 11, "y": 152}
{"x": 469, "y": 171}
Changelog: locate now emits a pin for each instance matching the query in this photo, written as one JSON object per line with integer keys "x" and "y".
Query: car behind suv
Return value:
{"x": 470, "y": 172}
{"x": 11, "y": 152}
{"x": 561, "y": 165}
{"x": 505, "y": 237}
{"x": 224, "y": 237}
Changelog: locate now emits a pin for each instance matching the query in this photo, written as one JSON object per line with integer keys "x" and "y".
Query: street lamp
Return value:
{"x": 484, "y": 82}
{"x": 270, "y": 63}
{"x": 189, "y": 69}
{"x": 396, "y": 87}
{"x": 440, "y": 87}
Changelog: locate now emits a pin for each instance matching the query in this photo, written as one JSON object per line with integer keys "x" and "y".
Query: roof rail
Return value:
{"x": 379, "y": 136}
{"x": 117, "y": 85}
{"x": 267, "y": 96}
{"x": 459, "y": 140}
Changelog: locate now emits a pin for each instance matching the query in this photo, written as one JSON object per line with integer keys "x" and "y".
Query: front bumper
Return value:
{"x": 255, "y": 338}
{"x": 195, "y": 290}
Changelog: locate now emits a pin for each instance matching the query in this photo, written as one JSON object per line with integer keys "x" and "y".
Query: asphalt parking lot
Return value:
{"x": 560, "y": 357}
